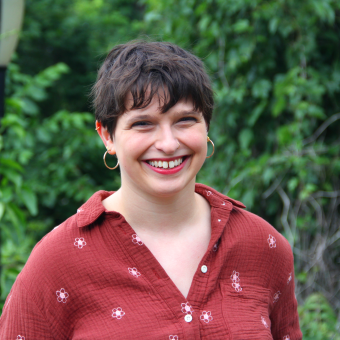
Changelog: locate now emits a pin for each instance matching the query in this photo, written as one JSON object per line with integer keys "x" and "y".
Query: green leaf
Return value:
{"x": 279, "y": 106}
{"x": 261, "y": 88}
{"x": 302, "y": 277}
{"x": 2, "y": 210}
{"x": 6, "y": 162}
{"x": 241, "y": 26}
{"x": 273, "y": 24}
{"x": 293, "y": 183}
{"x": 29, "y": 198}
{"x": 245, "y": 138}
{"x": 256, "y": 113}
{"x": 14, "y": 177}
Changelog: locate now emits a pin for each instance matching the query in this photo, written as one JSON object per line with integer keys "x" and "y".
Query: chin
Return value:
{"x": 166, "y": 190}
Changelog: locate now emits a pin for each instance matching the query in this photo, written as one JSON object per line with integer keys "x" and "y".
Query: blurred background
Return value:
{"x": 275, "y": 67}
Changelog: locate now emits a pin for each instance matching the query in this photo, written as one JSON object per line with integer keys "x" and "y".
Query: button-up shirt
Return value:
{"x": 92, "y": 277}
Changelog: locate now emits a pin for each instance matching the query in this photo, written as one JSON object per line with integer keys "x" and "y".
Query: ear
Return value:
{"x": 105, "y": 137}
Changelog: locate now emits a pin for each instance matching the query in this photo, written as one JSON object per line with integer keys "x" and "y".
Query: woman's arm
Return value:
{"x": 284, "y": 317}
{"x": 21, "y": 317}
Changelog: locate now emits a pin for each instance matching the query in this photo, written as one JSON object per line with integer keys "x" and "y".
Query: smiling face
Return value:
{"x": 159, "y": 154}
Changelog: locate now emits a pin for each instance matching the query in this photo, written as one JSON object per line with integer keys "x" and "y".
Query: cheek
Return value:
{"x": 198, "y": 144}
{"x": 132, "y": 148}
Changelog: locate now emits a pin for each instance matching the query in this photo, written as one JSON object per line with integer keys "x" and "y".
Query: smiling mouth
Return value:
{"x": 166, "y": 164}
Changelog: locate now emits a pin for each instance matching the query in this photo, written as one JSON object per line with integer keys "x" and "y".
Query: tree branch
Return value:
{"x": 284, "y": 217}
{"x": 318, "y": 210}
{"x": 273, "y": 187}
{"x": 330, "y": 194}
{"x": 322, "y": 128}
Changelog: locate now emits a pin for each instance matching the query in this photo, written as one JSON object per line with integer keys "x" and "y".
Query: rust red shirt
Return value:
{"x": 93, "y": 278}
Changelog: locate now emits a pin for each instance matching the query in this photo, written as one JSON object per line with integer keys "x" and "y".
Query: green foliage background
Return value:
{"x": 275, "y": 67}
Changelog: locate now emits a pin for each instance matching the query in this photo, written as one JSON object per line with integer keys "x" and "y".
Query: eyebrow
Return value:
{"x": 190, "y": 112}
{"x": 146, "y": 116}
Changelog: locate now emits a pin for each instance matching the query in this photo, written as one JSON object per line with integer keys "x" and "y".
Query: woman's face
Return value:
{"x": 159, "y": 154}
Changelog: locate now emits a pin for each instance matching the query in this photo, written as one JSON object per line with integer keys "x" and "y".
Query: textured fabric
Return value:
{"x": 93, "y": 278}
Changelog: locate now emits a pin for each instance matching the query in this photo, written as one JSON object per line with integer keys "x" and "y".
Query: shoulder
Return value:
{"x": 250, "y": 235}
{"x": 265, "y": 253}
{"x": 50, "y": 253}
{"x": 56, "y": 253}
{"x": 260, "y": 235}
{"x": 253, "y": 228}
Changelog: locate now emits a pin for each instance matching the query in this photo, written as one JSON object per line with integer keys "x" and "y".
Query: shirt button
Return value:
{"x": 204, "y": 269}
{"x": 188, "y": 318}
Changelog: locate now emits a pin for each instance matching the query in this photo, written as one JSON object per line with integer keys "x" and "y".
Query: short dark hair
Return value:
{"x": 143, "y": 69}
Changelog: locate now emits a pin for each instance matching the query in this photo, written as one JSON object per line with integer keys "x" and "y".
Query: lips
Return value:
{"x": 167, "y": 166}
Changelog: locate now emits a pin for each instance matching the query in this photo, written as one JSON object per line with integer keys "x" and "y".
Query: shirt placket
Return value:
{"x": 162, "y": 288}
{"x": 206, "y": 276}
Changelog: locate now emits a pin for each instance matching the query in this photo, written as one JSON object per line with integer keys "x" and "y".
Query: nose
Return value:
{"x": 166, "y": 141}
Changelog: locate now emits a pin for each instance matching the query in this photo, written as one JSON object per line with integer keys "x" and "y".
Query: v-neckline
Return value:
{"x": 139, "y": 254}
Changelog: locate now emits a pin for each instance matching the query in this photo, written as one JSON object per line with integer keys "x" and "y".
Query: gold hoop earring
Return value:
{"x": 209, "y": 140}
{"x": 107, "y": 165}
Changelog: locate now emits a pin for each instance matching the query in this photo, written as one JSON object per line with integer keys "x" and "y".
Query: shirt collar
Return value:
{"x": 92, "y": 209}
{"x": 215, "y": 198}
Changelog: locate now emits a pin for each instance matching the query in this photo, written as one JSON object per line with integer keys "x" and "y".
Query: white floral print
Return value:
{"x": 20, "y": 337}
{"x": 137, "y": 240}
{"x": 80, "y": 242}
{"x": 206, "y": 316}
{"x": 263, "y": 320}
{"x": 272, "y": 241}
{"x": 235, "y": 278}
{"x": 223, "y": 203}
{"x": 276, "y": 296}
{"x": 186, "y": 308}
{"x": 117, "y": 313}
{"x": 289, "y": 278}
{"x": 209, "y": 193}
{"x": 173, "y": 337}
{"x": 79, "y": 210}
{"x": 286, "y": 337}
{"x": 237, "y": 286}
{"x": 62, "y": 295}
{"x": 134, "y": 272}
{"x": 219, "y": 220}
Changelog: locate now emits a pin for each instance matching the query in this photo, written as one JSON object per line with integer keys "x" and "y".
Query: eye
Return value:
{"x": 141, "y": 123}
{"x": 188, "y": 119}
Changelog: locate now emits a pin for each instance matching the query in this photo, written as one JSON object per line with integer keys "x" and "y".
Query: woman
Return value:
{"x": 162, "y": 257}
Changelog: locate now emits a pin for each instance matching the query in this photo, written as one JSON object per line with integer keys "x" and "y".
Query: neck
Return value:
{"x": 147, "y": 213}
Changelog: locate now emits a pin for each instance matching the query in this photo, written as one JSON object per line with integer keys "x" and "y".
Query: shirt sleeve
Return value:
{"x": 284, "y": 317}
{"x": 21, "y": 317}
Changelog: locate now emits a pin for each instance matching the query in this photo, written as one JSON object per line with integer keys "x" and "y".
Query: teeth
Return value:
{"x": 166, "y": 165}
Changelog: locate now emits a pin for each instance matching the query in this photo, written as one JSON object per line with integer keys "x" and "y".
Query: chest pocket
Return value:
{"x": 246, "y": 312}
